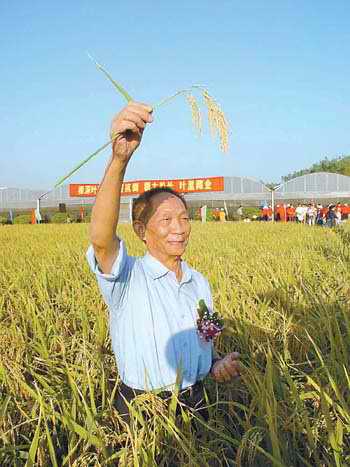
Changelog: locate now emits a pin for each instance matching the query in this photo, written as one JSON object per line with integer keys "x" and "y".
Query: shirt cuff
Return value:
{"x": 117, "y": 267}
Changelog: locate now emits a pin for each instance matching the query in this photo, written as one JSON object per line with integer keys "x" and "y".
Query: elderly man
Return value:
{"x": 152, "y": 300}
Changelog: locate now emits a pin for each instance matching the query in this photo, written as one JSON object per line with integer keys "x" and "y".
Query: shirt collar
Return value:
{"x": 156, "y": 269}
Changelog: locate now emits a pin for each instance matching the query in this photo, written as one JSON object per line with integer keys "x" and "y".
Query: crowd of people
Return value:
{"x": 311, "y": 214}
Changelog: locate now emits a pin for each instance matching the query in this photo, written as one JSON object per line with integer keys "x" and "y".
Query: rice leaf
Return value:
{"x": 50, "y": 445}
{"x": 119, "y": 88}
{"x": 61, "y": 180}
{"x": 34, "y": 446}
{"x": 82, "y": 432}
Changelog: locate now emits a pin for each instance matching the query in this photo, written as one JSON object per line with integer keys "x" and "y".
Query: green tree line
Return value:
{"x": 339, "y": 165}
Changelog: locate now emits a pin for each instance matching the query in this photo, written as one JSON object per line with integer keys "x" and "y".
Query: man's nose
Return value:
{"x": 178, "y": 226}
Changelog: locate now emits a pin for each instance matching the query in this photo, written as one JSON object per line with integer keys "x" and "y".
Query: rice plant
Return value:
{"x": 217, "y": 120}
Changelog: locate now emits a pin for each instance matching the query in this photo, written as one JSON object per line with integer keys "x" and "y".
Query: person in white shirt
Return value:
{"x": 311, "y": 214}
{"x": 300, "y": 213}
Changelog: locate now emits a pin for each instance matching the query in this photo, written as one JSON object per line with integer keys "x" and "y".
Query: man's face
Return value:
{"x": 168, "y": 229}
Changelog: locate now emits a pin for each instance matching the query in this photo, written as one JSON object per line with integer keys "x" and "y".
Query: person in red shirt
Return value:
{"x": 33, "y": 218}
{"x": 277, "y": 212}
{"x": 346, "y": 211}
{"x": 283, "y": 212}
{"x": 269, "y": 213}
{"x": 290, "y": 213}
{"x": 324, "y": 212}
{"x": 265, "y": 213}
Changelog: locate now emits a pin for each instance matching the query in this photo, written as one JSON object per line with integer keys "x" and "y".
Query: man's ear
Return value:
{"x": 140, "y": 229}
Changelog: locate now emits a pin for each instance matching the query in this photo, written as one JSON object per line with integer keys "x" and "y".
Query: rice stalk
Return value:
{"x": 216, "y": 118}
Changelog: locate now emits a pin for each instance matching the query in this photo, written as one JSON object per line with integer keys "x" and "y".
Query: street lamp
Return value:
{"x": 37, "y": 211}
{"x": 272, "y": 189}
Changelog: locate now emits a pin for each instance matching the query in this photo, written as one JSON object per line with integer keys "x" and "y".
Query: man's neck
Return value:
{"x": 173, "y": 263}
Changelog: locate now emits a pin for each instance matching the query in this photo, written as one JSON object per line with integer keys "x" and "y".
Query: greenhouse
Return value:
{"x": 236, "y": 189}
{"x": 17, "y": 198}
{"x": 315, "y": 186}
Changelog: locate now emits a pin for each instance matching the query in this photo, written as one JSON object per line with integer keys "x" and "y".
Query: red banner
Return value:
{"x": 136, "y": 187}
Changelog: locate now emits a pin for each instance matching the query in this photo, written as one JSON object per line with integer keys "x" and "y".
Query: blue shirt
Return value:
{"x": 153, "y": 321}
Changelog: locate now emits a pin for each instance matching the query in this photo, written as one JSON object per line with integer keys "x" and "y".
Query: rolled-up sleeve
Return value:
{"x": 114, "y": 282}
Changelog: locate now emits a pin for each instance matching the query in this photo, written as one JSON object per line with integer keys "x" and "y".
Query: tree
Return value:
{"x": 340, "y": 164}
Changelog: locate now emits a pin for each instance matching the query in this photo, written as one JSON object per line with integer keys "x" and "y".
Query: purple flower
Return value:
{"x": 210, "y": 325}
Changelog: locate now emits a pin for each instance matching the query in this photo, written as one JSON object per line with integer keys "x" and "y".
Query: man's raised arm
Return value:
{"x": 126, "y": 131}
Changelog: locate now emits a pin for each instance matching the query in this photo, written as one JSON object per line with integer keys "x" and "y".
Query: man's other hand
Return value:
{"x": 227, "y": 368}
{"x": 127, "y": 128}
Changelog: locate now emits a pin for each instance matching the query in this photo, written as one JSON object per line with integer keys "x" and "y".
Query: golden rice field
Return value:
{"x": 284, "y": 291}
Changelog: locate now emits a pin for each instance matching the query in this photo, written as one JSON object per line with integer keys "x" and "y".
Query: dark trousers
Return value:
{"x": 192, "y": 397}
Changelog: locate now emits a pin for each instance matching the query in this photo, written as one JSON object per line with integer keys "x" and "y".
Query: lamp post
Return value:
{"x": 273, "y": 189}
{"x": 37, "y": 211}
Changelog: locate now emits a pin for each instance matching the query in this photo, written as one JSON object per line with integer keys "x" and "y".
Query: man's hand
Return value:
{"x": 226, "y": 368}
{"x": 127, "y": 129}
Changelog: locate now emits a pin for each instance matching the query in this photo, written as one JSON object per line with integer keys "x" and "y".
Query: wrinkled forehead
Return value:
{"x": 163, "y": 202}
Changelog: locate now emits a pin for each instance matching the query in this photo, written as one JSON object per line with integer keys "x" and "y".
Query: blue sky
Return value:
{"x": 279, "y": 69}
